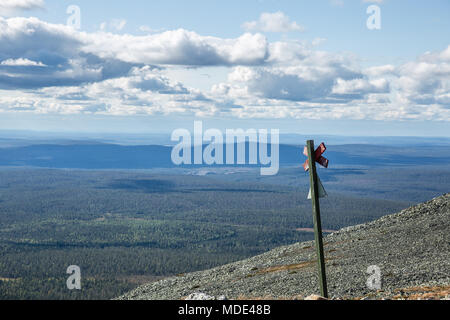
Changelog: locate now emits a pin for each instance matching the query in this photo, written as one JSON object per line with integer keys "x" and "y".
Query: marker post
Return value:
{"x": 312, "y": 158}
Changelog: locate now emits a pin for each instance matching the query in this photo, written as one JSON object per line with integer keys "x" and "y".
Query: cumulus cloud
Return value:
{"x": 360, "y": 86}
{"x": 8, "y": 7}
{"x": 74, "y": 57}
{"x": 180, "y": 47}
{"x": 148, "y": 79}
{"x": 380, "y": 70}
{"x": 426, "y": 81}
{"x": 120, "y": 74}
{"x": 319, "y": 85}
{"x": 145, "y": 90}
{"x": 21, "y": 62}
{"x": 273, "y": 22}
{"x": 27, "y": 43}
{"x": 281, "y": 84}
{"x": 296, "y": 75}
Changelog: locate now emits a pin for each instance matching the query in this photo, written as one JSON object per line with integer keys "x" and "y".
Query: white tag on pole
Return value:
{"x": 322, "y": 192}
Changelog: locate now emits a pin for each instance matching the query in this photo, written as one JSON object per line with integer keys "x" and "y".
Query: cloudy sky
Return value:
{"x": 153, "y": 66}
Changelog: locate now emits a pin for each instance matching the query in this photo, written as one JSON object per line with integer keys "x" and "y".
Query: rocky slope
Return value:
{"x": 410, "y": 248}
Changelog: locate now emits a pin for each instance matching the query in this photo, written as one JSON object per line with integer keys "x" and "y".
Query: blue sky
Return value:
{"x": 301, "y": 66}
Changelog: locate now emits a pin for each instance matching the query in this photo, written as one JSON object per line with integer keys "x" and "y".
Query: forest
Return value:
{"x": 127, "y": 227}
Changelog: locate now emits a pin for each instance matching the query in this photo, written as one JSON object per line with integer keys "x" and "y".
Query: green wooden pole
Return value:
{"x": 316, "y": 217}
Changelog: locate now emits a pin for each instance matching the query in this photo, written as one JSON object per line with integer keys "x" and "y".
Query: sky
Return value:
{"x": 337, "y": 67}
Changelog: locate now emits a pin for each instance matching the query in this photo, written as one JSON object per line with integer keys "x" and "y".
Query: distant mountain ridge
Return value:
{"x": 23, "y": 138}
{"x": 94, "y": 155}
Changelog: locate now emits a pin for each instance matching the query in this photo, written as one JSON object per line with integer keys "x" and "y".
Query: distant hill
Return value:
{"x": 24, "y": 138}
{"x": 411, "y": 249}
{"x": 94, "y": 155}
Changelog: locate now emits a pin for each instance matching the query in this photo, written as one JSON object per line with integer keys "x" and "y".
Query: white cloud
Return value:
{"x": 295, "y": 74}
{"x": 120, "y": 74}
{"x": 21, "y": 63}
{"x": 273, "y": 22}
{"x": 31, "y": 38}
{"x": 380, "y": 70}
{"x": 58, "y": 47}
{"x": 360, "y": 86}
{"x": 180, "y": 47}
{"x": 114, "y": 24}
{"x": 8, "y": 7}
{"x": 317, "y": 85}
{"x": 426, "y": 81}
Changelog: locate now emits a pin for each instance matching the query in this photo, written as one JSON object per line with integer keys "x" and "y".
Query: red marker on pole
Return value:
{"x": 318, "y": 156}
